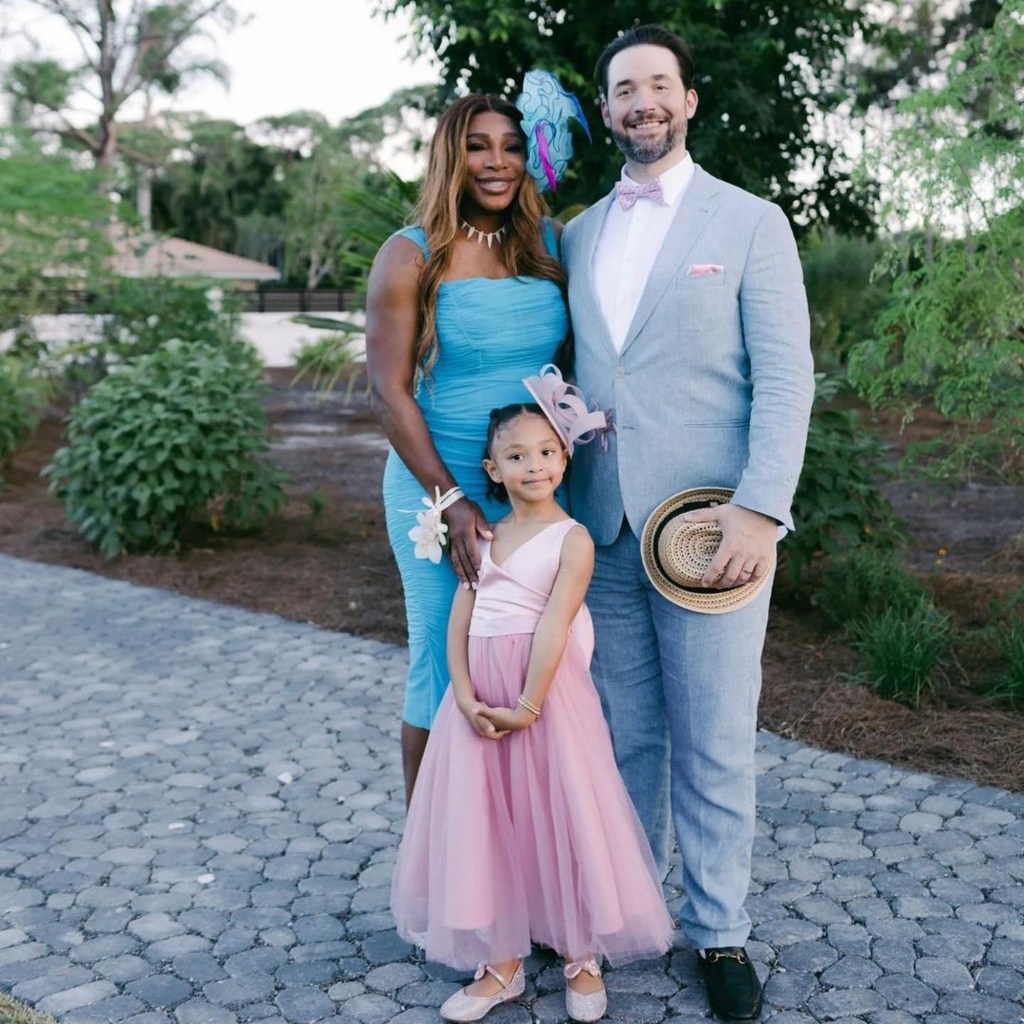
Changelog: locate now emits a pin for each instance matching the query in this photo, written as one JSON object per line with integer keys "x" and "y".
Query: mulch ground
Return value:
{"x": 325, "y": 560}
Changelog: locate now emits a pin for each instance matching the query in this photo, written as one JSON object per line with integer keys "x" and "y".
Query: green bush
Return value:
{"x": 902, "y": 649}
{"x": 24, "y": 392}
{"x": 168, "y": 438}
{"x": 139, "y": 316}
{"x": 838, "y": 503}
{"x": 863, "y": 582}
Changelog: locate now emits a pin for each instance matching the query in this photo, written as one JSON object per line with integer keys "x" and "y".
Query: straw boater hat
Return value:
{"x": 676, "y": 554}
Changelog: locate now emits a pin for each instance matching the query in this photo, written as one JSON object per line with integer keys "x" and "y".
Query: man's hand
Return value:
{"x": 466, "y": 523}
{"x": 748, "y": 543}
{"x": 477, "y": 713}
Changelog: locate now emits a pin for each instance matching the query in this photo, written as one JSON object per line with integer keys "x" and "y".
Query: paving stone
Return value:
{"x": 299, "y": 1005}
{"x": 894, "y": 1017}
{"x": 66, "y": 1000}
{"x": 161, "y": 990}
{"x": 312, "y": 972}
{"x": 851, "y": 972}
{"x": 789, "y": 990}
{"x": 34, "y": 989}
{"x": 108, "y": 946}
{"x": 857, "y": 1002}
{"x": 632, "y": 1007}
{"x": 198, "y": 968}
{"x": 385, "y": 947}
{"x": 263, "y": 960}
{"x": 807, "y": 957}
{"x": 120, "y": 969}
{"x": 1002, "y": 982}
{"x": 117, "y": 1008}
{"x": 199, "y": 1011}
{"x": 905, "y": 992}
{"x": 240, "y": 989}
{"x": 976, "y": 1006}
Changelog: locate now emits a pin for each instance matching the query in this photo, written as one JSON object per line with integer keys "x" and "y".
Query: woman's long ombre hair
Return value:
{"x": 438, "y": 214}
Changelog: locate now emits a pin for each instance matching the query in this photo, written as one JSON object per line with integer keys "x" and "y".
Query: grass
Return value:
{"x": 903, "y": 649}
{"x": 13, "y": 1012}
{"x": 1008, "y": 640}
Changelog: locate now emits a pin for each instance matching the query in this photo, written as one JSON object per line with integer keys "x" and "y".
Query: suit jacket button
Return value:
{"x": 619, "y": 371}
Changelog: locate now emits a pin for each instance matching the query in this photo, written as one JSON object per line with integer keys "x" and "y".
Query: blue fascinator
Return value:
{"x": 546, "y": 108}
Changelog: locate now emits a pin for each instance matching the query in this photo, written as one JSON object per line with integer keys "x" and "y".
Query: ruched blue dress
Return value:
{"x": 491, "y": 334}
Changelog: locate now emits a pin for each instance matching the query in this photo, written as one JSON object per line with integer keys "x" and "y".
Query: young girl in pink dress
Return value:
{"x": 520, "y": 829}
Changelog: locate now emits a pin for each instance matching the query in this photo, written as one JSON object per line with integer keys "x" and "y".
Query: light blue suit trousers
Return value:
{"x": 713, "y": 386}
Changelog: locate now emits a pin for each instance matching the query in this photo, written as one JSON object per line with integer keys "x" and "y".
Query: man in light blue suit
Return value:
{"x": 691, "y": 325}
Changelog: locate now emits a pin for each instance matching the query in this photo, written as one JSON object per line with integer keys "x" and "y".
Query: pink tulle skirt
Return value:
{"x": 529, "y": 838}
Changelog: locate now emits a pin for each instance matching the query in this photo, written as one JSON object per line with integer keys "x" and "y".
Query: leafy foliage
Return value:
{"x": 223, "y": 189}
{"x": 138, "y": 316}
{"x": 51, "y": 228}
{"x": 838, "y": 503}
{"x": 24, "y": 392}
{"x": 843, "y": 294}
{"x": 863, "y": 582}
{"x": 375, "y": 213}
{"x": 765, "y": 75}
{"x": 955, "y": 328}
{"x": 909, "y": 46}
{"x": 128, "y": 48}
{"x": 171, "y": 437}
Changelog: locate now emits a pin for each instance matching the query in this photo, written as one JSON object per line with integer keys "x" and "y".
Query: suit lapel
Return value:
{"x": 696, "y": 209}
{"x": 591, "y": 230}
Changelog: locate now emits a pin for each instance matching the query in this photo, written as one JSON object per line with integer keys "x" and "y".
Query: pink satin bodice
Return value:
{"x": 511, "y": 597}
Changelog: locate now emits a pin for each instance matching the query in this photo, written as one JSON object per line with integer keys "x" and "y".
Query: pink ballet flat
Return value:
{"x": 584, "y": 1007}
{"x": 463, "y": 1007}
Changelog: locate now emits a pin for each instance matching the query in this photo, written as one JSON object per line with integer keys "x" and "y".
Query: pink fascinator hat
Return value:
{"x": 566, "y": 408}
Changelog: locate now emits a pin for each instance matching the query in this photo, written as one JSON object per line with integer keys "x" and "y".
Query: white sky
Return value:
{"x": 333, "y": 56}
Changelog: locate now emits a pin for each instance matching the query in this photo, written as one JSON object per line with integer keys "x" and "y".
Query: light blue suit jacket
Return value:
{"x": 715, "y": 381}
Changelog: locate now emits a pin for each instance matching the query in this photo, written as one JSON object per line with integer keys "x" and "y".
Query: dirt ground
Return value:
{"x": 325, "y": 560}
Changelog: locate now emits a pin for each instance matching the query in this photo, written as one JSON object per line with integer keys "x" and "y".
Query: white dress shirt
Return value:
{"x": 628, "y": 246}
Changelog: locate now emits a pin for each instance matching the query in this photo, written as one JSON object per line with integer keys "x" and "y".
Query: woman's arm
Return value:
{"x": 391, "y": 332}
{"x": 458, "y": 666}
{"x": 575, "y": 568}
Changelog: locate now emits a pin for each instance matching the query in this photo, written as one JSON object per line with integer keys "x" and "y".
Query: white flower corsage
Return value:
{"x": 430, "y": 534}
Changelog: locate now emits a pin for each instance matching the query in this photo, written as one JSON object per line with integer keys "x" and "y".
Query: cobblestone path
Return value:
{"x": 201, "y": 805}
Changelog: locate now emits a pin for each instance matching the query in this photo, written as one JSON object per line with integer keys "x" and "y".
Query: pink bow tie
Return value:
{"x": 629, "y": 193}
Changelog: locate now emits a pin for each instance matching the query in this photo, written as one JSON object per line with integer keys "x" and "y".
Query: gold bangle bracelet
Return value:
{"x": 532, "y": 708}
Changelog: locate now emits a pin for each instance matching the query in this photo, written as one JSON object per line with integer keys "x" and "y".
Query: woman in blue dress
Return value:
{"x": 461, "y": 307}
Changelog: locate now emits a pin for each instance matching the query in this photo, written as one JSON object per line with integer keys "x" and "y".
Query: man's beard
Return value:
{"x": 651, "y": 152}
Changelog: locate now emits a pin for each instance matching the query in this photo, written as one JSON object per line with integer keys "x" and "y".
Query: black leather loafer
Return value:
{"x": 734, "y": 991}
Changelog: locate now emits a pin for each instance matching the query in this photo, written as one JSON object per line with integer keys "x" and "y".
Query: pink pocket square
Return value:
{"x": 704, "y": 269}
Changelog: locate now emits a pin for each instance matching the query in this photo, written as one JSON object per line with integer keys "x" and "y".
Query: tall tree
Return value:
{"x": 51, "y": 221}
{"x": 954, "y": 331}
{"x": 908, "y": 44}
{"x": 326, "y": 209}
{"x": 127, "y": 48}
{"x": 767, "y": 74}
{"x": 224, "y": 187}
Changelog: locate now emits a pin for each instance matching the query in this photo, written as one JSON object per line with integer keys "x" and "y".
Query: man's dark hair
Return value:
{"x": 645, "y": 35}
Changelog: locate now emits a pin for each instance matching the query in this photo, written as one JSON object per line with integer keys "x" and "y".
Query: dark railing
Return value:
{"x": 295, "y": 300}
